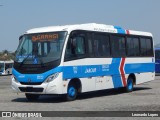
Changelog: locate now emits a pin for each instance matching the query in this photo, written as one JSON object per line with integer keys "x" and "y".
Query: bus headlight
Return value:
{"x": 51, "y": 77}
{"x": 14, "y": 79}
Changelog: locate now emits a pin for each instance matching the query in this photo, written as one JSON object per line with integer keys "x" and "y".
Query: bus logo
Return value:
{"x": 75, "y": 70}
{"x": 6, "y": 114}
{"x": 90, "y": 70}
{"x": 29, "y": 80}
{"x": 35, "y": 61}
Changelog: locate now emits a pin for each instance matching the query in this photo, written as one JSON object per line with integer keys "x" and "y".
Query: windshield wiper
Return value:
{"x": 41, "y": 61}
{"x": 36, "y": 58}
{"x": 24, "y": 60}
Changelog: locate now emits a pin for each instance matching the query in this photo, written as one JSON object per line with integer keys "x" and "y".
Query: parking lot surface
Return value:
{"x": 145, "y": 96}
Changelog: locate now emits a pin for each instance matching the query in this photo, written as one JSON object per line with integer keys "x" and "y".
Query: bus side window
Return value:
{"x": 132, "y": 47}
{"x": 146, "y": 47}
{"x": 118, "y": 46}
{"x": 75, "y": 48}
{"x": 149, "y": 47}
{"x": 101, "y": 45}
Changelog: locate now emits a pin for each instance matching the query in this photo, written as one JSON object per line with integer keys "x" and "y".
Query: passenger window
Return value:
{"x": 132, "y": 47}
{"x": 118, "y": 46}
{"x": 146, "y": 47}
{"x": 101, "y": 45}
{"x": 149, "y": 47}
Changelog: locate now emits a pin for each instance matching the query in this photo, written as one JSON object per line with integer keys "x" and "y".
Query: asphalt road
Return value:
{"x": 145, "y": 96}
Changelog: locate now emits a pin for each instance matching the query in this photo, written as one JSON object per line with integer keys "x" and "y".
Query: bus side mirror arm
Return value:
{"x": 20, "y": 37}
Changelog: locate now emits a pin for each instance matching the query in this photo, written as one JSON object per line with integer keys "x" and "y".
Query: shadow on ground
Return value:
{"x": 83, "y": 96}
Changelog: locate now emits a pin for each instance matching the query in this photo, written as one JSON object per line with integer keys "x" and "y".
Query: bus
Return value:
{"x": 6, "y": 67}
{"x": 72, "y": 59}
{"x": 157, "y": 61}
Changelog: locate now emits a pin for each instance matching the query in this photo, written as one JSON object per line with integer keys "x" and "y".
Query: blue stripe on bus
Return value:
{"x": 120, "y": 30}
{"x": 35, "y": 77}
{"x": 139, "y": 67}
{"x": 106, "y": 69}
{"x": 90, "y": 71}
{"x": 116, "y": 74}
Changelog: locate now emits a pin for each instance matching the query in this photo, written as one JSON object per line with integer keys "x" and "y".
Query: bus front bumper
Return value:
{"x": 44, "y": 88}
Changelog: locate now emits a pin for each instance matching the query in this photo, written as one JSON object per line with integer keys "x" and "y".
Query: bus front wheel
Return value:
{"x": 32, "y": 97}
{"x": 71, "y": 92}
{"x": 129, "y": 86}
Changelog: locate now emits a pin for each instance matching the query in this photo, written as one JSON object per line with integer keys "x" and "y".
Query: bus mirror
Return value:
{"x": 20, "y": 37}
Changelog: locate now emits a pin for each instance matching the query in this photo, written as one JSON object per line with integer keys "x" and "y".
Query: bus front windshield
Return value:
{"x": 1, "y": 67}
{"x": 40, "y": 48}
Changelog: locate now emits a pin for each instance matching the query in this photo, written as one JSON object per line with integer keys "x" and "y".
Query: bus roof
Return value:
{"x": 89, "y": 27}
{"x": 7, "y": 61}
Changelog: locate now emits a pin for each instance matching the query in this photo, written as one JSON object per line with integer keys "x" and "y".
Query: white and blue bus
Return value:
{"x": 72, "y": 59}
{"x": 6, "y": 67}
{"x": 157, "y": 61}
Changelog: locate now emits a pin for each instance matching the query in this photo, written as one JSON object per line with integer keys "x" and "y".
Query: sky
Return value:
{"x": 18, "y": 16}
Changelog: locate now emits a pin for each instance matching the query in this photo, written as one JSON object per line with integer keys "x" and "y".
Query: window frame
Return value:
{"x": 91, "y": 35}
{"x": 133, "y": 36}
{"x": 118, "y": 35}
{"x": 106, "y": 35}
{"x": 85, "y": 44}
{"x": 151, "y": 39}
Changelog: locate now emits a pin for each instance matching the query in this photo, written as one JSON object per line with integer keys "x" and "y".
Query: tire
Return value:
{"x": 129, "y": 87}
{"x": 32, "y": 97}
{"x": 71, "y": 92}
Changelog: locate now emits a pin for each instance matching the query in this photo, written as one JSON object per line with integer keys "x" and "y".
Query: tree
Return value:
{"x": 6, "y": 55}
{"x": 5, "y": 52}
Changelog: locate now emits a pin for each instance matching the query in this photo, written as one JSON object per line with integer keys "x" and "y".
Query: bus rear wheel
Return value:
{"x": 71, "y": 92}
{"x": 129, "y": 86}
{"x": 32, "y": 97}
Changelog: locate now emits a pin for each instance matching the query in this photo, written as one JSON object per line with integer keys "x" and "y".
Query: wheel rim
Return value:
{"x": 130, "y": 84}
{"x": 71, "y": 92}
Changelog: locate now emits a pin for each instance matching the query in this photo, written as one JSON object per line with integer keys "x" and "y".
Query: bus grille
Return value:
{"x": 30, "y": 89}
{"x": 31, "y": 83}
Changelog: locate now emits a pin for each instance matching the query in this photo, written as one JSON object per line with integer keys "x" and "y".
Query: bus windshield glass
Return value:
{"x": 40, "y": 47}
{"x": 1, "y": 67}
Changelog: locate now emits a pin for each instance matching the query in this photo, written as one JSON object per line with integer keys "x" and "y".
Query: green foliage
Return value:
{"x": 6, "y": 55}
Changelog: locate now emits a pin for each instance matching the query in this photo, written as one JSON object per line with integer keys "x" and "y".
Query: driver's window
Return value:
{"x": 27, "y": 47}
{"x": 75, "y": 47}
{"x": 79, "y": 46}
